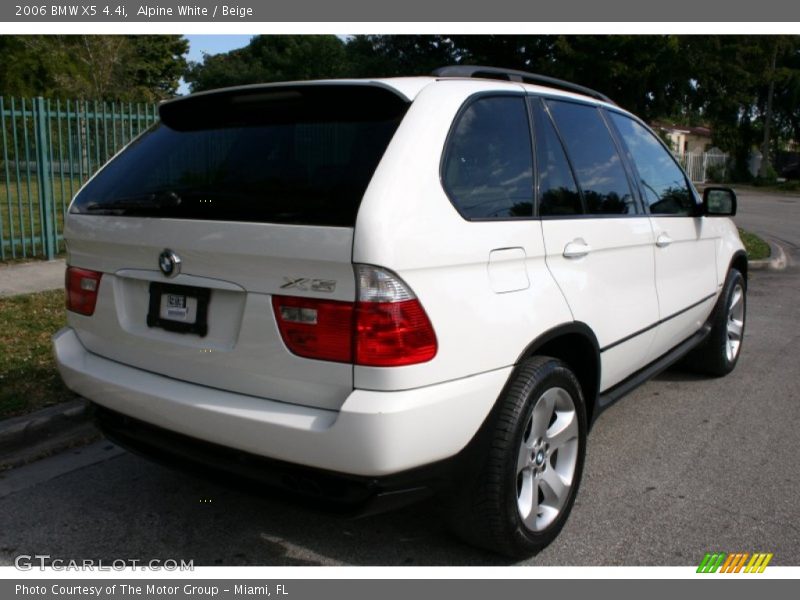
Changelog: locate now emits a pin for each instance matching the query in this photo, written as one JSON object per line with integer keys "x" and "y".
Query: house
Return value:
{"x": 685, "y": 139}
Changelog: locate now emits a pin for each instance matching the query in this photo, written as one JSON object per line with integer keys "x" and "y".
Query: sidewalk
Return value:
{"x": 35, "y": 276}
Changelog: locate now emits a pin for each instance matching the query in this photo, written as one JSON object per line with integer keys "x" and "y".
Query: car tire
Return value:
{"x": 719, "y": 352}
{"x": 519, "y": 495}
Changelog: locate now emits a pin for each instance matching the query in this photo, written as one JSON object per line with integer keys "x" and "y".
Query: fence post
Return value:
{"x": 705, "y": 164}
{"x": 42, "y": 126}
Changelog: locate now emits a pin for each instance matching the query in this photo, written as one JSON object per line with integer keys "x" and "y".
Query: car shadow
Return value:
{"x": 128, "y": 508}
{"x": 680, "y": 373}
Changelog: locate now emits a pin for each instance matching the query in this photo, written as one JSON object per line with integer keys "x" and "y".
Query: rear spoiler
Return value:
{"x": 283, "y": 103}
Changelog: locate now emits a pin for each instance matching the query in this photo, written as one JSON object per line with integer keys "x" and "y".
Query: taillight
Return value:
{"x": 82, "y": 287}
{"x": 392, "y": 328}
{"x": 313, "y": 328}
{"x": 385, "y": 327}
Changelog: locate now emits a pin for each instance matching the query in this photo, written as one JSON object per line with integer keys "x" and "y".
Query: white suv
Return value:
{"x": 368, "y": 290}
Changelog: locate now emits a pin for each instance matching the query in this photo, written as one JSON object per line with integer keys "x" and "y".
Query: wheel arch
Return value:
{"x": 575, "y": 344}
{"x": 739, "y": 262}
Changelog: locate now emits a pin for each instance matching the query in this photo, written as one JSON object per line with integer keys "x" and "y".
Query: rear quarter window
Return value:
{"x": 488, "y": 165}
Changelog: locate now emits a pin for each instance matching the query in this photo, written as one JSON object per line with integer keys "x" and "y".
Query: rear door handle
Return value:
{"x": 663, "y": 240}
{"x": 577, "y": 248}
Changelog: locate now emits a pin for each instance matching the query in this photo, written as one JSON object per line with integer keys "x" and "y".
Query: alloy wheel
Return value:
{"x": 546, "y": 460}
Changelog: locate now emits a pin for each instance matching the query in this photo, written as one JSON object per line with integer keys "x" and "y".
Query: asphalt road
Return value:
{"x": 682, "y": 466}
{"x": 776, "y": 216}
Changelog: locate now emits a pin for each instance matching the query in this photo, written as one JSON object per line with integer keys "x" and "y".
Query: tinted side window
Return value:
{"x": 488, "y": 169}
{"x": 558, "y": 194}
{"x": 594, "y": 156}
{"x": 662, "y": 181}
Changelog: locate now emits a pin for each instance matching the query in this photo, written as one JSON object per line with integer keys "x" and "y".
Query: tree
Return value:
{"x": 102, "y": 67}
{"x": 786, "y": 101}
{"x": 787, "y": 94}
{"x": 156, "y": 64}
{"x": 24, "y": 73}
{"x": 398, "y": 55}
{"x": 271, "y": 58}
{"x": 730, "y": 81}
{"x": 641, "y": 73}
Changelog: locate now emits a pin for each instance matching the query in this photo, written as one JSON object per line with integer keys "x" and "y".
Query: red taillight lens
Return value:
{"x": 82, "y": 287}
{"x": 321, "y": 329}
{"x": 386, "y": 327}
{"x": 393, "y": 334}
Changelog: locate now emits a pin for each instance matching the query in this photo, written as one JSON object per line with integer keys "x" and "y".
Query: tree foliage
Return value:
{"x": 271, "y": 58}
{"x": 136, "y": 68}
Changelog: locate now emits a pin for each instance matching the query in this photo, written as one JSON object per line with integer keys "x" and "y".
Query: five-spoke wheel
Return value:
{"x": 528, "y": 465}
{"x": 546, "y": 460}
{"x": 735, "y": 322}
{"x": 718, "y": 354}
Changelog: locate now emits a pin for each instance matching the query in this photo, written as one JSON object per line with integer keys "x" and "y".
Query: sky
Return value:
{"x": 211, "y": 44}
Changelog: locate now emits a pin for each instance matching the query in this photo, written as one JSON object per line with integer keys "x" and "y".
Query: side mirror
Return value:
{"x": 719, "y": 202}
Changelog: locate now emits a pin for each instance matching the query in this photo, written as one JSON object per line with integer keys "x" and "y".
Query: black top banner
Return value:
{"x": 453, "y": 11}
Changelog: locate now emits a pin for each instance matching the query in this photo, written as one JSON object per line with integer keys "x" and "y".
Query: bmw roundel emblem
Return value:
{"x": 169, "y": 263}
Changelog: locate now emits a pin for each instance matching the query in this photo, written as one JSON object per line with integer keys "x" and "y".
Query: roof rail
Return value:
{"x": 521, "y": 76}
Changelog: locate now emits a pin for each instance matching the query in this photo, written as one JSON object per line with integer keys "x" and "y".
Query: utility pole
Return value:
{"x": 765, "y": 164}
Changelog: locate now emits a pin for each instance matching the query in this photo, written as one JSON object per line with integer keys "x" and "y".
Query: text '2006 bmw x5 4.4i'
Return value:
{"x": 369, "y": 289}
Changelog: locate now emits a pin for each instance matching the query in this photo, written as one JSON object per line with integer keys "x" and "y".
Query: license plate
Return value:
{"x": 179, "y": 308}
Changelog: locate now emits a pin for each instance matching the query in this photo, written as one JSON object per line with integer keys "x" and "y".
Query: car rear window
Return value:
{"x": 295, "y": 155}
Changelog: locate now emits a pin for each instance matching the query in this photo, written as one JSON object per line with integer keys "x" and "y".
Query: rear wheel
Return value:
{"x": 720, "y": 351}
{"x": 518, "y": 499}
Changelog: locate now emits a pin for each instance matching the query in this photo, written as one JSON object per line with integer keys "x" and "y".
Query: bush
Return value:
{"x": 771, "y": 177}
{"x": 739, "y": 172}
{"x": 716, "y": 174}
{"x": 789, "y": 186}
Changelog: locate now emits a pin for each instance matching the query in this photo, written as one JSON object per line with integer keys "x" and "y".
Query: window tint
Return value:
{"x": 301, "y": 156}
{"x": 594, "y": 156}
{"x": 662, "y": 181}
{"x": 488, "y": 170}
{"x": 558, "y": 194}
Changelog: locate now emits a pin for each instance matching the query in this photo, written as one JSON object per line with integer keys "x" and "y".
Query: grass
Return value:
{"x": 755, "y": 247}
{"x": 790, "y": 188}
{"x": 28, "y": 376}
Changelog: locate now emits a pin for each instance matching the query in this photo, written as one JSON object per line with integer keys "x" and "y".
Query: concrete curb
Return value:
{"x": 29, "y": 437}
{"x": 776, "y": 262}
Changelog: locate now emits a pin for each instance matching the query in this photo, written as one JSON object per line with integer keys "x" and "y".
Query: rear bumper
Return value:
{"x": 349, "y": 494}
{"x": 374, "y": 434}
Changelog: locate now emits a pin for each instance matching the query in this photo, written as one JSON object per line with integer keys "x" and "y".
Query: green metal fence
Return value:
{"x": 49, "y": 149}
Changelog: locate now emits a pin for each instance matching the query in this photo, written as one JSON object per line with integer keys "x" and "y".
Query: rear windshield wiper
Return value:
{"x": 157, "y": 200}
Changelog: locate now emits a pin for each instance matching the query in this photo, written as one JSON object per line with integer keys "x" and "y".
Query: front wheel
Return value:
{"x": 519, "y": 497}
{"x": 720, "y": 351}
